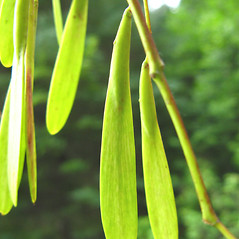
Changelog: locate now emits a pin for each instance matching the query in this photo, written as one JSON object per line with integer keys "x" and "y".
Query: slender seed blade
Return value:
{"x": 31, "y": 156}
{"x": 6, "y": 32}
{"x": 118, "y": 197}
{"x": 67, "y": 68}
{"x": 158, "y": 186}
{"x": 30, "y": 139}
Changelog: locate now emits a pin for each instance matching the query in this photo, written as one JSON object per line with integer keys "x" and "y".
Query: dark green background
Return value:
{"x": 199, "y": 43}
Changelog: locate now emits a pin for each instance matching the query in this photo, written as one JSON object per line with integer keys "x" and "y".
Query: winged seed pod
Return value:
{"x": 6, "y": 32}
{"x": 118, "y": 198}
{"x": 67, "y": 68}
{"x": 17, "y": 106}
{"x": 158, "y": 185}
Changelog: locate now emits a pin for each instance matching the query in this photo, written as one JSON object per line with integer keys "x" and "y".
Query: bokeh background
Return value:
{"x": 199, "y": 43}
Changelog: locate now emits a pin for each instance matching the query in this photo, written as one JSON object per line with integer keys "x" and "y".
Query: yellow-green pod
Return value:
{"x": 118, "y": 198}
{"x": 158, "y": 186}
{"x": 67, "y": 68}
{"x": 17, "y": 111}
{"x": 6, "y": 32}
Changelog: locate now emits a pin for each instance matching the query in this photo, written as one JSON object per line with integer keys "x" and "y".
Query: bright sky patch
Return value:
{"x": 156, "y": 4}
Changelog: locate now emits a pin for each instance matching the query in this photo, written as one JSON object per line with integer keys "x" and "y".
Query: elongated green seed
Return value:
{"x": 158, "y": 185}
{"x": 6, "y": 32}
{"x": 17, "y": 108}
{"x": 118, "y": 197}
{"x": 67, "y": 68}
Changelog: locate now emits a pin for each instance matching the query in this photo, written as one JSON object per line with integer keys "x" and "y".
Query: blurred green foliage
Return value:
{"x": 199, "y": 44}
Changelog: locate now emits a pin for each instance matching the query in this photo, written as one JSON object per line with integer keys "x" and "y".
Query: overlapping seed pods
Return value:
{"x": 17, "y": 133}
{"x": 67, "y": 68}
{"x": 118, "y": 197}
{"x": 157, "y": 180}
{"x": 17, "y": 104}
{"x": 5, "y": 198}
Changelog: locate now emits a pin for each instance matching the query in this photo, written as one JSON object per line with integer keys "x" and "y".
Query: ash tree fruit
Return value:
{"x": 118, "y": 194}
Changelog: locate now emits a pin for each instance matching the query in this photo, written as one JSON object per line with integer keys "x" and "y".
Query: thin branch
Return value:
{"x": 224, "y": 230}
{"x": 147, "y": 15}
